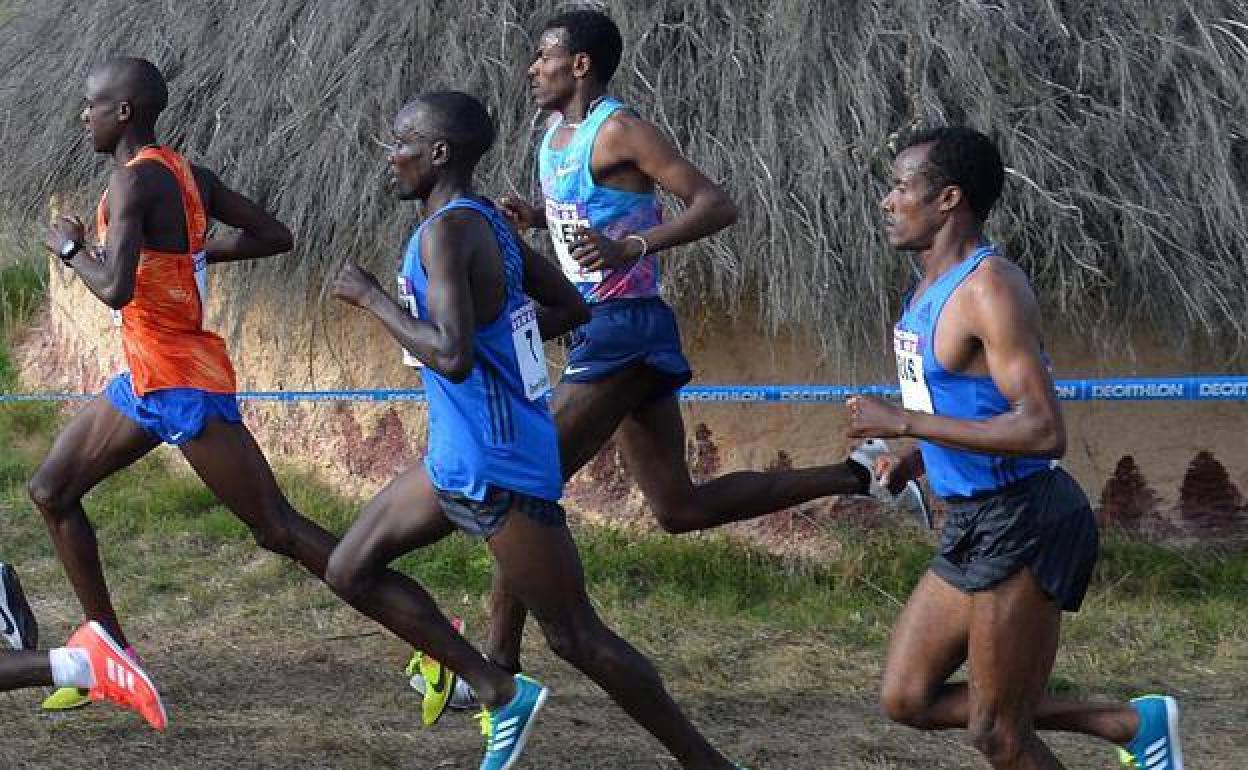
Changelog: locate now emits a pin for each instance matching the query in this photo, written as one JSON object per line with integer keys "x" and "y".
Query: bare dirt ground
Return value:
{"x": 285, "y": 677}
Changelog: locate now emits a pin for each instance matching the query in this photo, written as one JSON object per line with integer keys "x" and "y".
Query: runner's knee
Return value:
{"x": 274, "y": 532}
{"x": 345, "y": 576}
{"x": 576, "y": 642}
{"x": 49, "y": 493}
{"x": 904, "y": 703}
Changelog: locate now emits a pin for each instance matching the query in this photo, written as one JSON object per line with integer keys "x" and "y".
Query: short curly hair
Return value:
{"x": 965, "y": 158}
{"x": 594, "y": 33}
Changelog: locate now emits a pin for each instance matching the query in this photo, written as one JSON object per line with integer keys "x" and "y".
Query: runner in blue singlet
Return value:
{"x": 492, "y": 465}
{"x": 600, "y": 166}
{"x": 1020, "y": 540}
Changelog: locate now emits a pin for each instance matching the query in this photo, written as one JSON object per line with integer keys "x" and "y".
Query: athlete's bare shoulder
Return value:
{"x": 207, "y": 181}
{"x": 1002, "y": 278}
{"x": 626, "y": 128}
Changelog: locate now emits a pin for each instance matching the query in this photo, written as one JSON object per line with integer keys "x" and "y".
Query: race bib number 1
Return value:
{"x": 564, "y": 220}
{"x": 915, "y": 395}
{"x": 530, "y": 355}
{"x": 408, "y": 300}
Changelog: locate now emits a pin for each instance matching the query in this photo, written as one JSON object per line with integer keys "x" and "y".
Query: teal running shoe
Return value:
{"x": 507, "y": 729}
{"x": 1156, "y": 746}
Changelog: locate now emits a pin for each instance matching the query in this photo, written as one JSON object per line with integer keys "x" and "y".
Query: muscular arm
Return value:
{"x": 560, "y": 306}
{"x": 256, "y": 234}
{"x": 109, "y": 272}
{"x": 444, "y": 341}
{"x": 1003, "y": 314}
{"x": 626, "y": 138}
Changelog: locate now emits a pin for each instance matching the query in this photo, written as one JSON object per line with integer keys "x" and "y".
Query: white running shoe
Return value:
{"x": 909, "y": 500}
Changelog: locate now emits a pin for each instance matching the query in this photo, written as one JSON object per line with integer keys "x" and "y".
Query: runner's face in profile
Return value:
{"x": 551, "y": 78}
{"x": 410, "y": 159}
{"x": 912, "y": 214}
{"x": 100, "y": 115}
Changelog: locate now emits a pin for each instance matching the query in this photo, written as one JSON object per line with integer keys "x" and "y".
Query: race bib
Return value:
{"x": 564, "y": 220}
{"x": 914, "y": 393}
{"x": 530, "y": 355}
{"x": 408, "y": 300}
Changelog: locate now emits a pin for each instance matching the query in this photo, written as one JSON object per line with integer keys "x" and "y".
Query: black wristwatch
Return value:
{"x": 68, "y": 249}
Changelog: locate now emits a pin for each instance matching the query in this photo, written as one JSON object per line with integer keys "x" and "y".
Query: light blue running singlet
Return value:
{"x": 575, "y": 200}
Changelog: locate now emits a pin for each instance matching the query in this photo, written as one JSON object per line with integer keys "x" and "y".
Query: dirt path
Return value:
{"x": 238, "y": 700}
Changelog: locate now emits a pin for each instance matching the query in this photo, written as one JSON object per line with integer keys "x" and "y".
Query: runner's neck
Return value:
{"x": 446, "y": 190}
{"x": 947, "y": 252}
{"x": 131, "y": 145}
{"x": 572, "y": 117}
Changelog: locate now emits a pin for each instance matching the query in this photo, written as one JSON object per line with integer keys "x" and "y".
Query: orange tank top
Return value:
{"x": 162, "y": 329}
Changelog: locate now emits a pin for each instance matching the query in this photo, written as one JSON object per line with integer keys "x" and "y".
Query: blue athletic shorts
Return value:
{"x": 175, "y": 415}
{"x": 624, "y": 332}
{"x": 485, "y": 518}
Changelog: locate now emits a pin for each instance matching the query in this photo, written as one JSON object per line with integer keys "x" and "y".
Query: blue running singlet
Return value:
{"x": 928, "y": 387}
{"x": 494, "y": 428}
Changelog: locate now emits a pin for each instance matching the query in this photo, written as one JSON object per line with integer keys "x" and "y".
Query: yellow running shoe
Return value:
{"x": 438, "y": 685}
{"x": 66, "y": 699}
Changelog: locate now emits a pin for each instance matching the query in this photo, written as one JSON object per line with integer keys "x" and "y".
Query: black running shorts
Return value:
{"x": 1042, "y": 522}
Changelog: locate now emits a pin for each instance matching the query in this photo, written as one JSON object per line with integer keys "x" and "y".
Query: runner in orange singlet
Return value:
{"x": 149, "y": 262}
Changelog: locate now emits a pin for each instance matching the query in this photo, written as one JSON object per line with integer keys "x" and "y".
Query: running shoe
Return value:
{"x": 450, "y": 692}
{"x": 17, "y": 621}
{"x": 909, "y": 500}
{"x": 70, "y": 698}
{"x": 118, "y": 678}
{"x": 66, "y": 699}
{"x": 1156, "y": 745}
{"x": 507, "y": 729}
{"x": 447, "y": 690}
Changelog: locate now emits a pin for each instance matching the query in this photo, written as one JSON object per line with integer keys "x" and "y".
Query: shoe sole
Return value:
{"x": 528, "y": 728}
{"x": 82, "y": 702}
{"x": 18, "y": 609}
{"x": 112, "y": 645}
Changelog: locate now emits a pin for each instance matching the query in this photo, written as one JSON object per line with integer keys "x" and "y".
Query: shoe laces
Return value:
{"x": 1128, "y": 759}
{"x": 486, "y": 722}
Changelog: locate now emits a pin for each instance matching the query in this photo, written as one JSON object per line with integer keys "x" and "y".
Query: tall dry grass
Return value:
{"x": 1122, "y": 122}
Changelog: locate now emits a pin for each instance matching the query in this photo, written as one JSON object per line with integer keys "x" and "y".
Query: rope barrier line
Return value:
{"x": 1187, "y": 388}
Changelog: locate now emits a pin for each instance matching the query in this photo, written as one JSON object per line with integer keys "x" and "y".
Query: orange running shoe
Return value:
{"x": 118, "y": 677}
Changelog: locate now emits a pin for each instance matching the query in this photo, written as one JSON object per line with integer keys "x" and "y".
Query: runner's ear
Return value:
{"x": 582, "y": 65}
{"x": 440, "y": 152}
{"x": 950, "y": 197}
